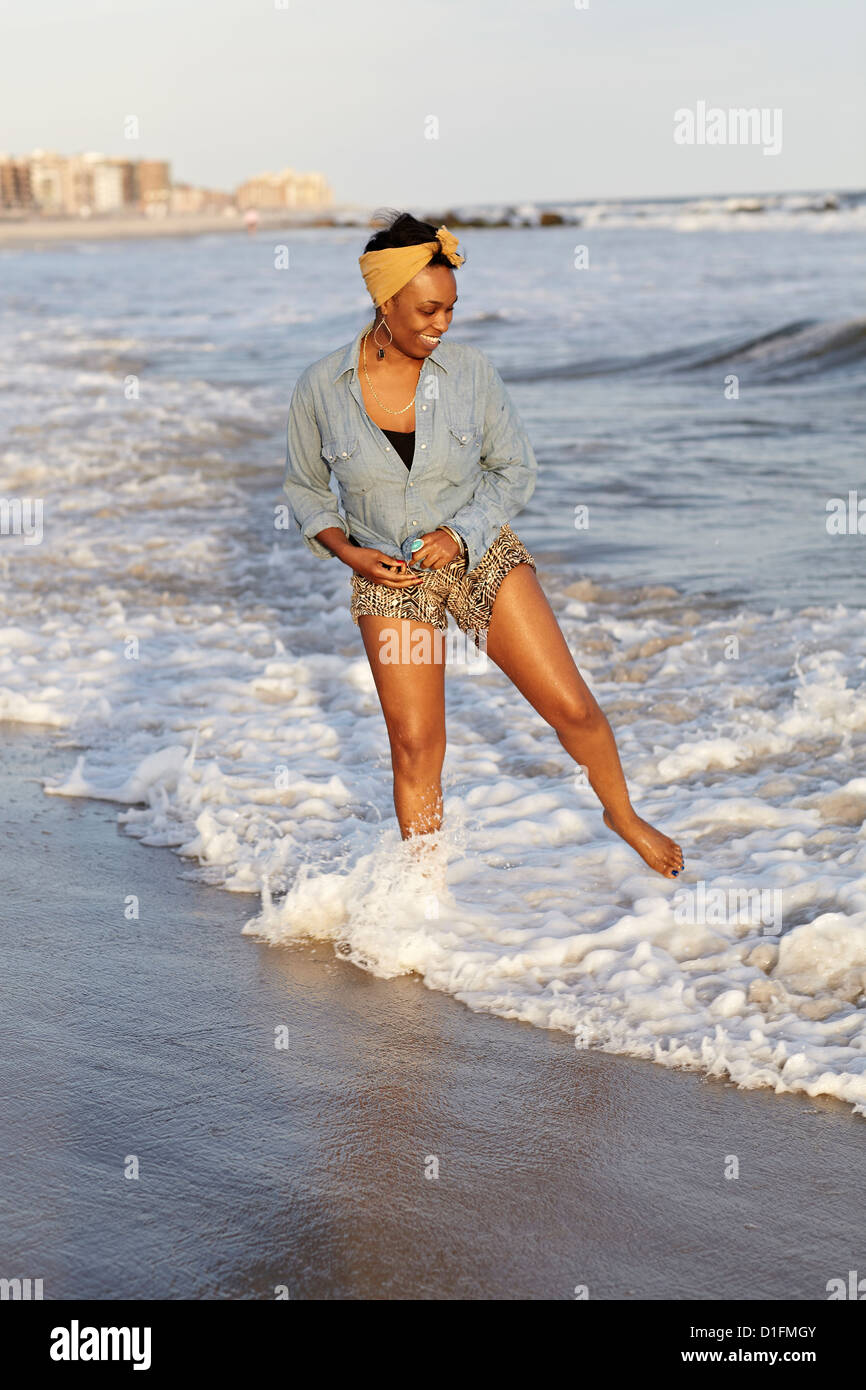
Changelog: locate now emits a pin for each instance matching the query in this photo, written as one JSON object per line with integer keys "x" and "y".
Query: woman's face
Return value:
{"x": 421, "y": 312}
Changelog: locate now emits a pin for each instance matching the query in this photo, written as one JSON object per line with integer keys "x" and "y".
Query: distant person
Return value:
{"x": 251, "y": 220}
{"x": 429, "y": 452}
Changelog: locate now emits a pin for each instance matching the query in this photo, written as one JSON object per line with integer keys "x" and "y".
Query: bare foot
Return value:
{"x": 426, "y": 855}
{"x": 658, "y": 850}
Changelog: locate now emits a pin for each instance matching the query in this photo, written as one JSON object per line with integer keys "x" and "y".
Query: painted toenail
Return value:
{"x": 674, "y": 872}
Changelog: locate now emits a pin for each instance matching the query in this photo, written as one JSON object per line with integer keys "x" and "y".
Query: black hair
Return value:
{"x": 402, "y": 229}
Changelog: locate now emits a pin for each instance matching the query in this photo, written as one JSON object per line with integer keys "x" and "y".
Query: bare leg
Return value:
{"x": 407, "y": 659}
{"x": 526, "y": 642}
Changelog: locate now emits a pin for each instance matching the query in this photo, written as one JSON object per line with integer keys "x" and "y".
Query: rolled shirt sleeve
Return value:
{"x": 306, "y": 483}
{"x": 509, "y": 473}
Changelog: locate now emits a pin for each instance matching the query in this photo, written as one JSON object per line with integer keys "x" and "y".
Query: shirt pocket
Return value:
{"x": 464, "y": 451}
{"x": 346, "y": 462}
{"x": 345, "y": 458}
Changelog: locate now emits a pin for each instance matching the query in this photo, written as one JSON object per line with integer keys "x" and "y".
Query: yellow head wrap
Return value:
{"x": 386, "y": 272}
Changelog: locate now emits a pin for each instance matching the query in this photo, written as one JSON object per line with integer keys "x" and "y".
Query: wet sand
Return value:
{"x": 305, "y": 1166}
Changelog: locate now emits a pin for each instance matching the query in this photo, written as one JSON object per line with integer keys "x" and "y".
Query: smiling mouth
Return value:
{"x": 427, "y": 339}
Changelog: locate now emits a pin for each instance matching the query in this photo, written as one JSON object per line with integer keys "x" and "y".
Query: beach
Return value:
{"x": 304, "y": 1166}
{"x": 33, "y": 232}
{"x": 222, "y": 971}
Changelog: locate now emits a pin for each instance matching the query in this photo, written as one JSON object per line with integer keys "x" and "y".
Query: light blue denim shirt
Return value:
{"x": 473, "y": 469}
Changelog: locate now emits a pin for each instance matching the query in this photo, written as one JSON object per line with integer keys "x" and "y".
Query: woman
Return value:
{"x": 431, "y": 460}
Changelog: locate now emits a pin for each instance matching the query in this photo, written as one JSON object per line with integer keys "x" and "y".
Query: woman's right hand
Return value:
{"x": 381, "y": 568}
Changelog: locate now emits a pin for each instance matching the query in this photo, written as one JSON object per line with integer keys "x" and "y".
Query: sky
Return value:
{"x": 540, "y": 101}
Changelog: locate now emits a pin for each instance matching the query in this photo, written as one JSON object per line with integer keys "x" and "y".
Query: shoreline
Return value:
{"x": 592, "y": 214}
{"x": 305, "y": 1164}
{"x": 33, "y": 233}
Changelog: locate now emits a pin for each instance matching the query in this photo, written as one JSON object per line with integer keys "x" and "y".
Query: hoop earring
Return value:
{"x": 381, "y": 353}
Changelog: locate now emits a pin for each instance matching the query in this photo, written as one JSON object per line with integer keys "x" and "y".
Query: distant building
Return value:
{"x": 93, "y": 184}
{"x": 187, "y": 199}
{"x": 107, "y": 186}
{"x": 127, "y": 169}
{"x": 153, "y": 186}
{"x": 75, "y": 185}
{"x": 47, "y": 170}
{"x": 15, "y": 188}
{"x": 285, "y": 190}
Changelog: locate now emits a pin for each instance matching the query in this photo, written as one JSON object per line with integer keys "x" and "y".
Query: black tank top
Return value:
{"x": 404, "y": 444}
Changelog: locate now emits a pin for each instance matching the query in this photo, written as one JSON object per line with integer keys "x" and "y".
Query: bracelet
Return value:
{"x": 458, "y": 540}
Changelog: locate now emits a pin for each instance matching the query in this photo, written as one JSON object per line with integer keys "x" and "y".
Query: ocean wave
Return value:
{"x": 801, "y": 348}
{"x": 267, "y": 769}
{"x": 820, "y": 210}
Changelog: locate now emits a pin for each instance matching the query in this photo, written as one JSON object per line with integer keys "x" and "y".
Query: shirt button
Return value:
{"x": 423, "y": 446}
{"x": 411, "y": 484}
{"x": 462, "y": 440}
{"x": 423, "y": 407}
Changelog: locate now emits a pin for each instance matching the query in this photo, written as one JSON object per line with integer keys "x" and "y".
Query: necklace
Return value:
{"x": 370, "y": 384}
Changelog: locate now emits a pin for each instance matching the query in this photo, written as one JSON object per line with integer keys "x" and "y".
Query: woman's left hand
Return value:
{"x": 439, "y": 548}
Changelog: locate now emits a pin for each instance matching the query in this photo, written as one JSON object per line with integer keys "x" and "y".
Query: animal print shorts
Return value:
{"x": 467, "y": 595}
